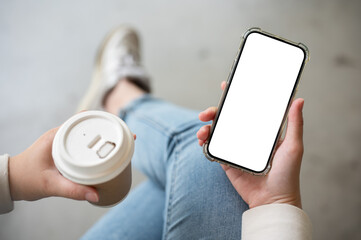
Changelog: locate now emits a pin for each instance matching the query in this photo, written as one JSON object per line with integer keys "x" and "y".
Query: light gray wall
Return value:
{"x": 46, "y": 58}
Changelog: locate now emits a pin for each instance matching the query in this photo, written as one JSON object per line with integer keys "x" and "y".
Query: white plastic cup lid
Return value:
{"x": 92, "y": 147}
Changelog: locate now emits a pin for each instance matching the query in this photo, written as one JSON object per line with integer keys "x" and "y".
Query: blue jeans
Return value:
{"x": 186, "y": 196}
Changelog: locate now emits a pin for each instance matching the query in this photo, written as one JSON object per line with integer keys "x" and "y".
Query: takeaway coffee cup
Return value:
{"x": 95, "y": 148}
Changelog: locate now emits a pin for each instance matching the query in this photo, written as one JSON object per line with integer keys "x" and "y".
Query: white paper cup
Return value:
{"x": 95, "y": 148}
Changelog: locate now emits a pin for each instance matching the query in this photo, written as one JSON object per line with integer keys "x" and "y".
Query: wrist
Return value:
{"x": 13, "y": 178}
{"x": 291, "y": 200}
{"x": 294, "y": 202}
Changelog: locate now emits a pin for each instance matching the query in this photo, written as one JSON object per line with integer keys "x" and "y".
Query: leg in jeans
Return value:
{"x": 200, "y": 202}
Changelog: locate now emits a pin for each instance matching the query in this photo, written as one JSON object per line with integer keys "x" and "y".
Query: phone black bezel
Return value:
{"x": 224, "y": 96}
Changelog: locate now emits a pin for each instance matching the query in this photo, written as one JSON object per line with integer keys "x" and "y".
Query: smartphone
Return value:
{"x": 254, "y": 106}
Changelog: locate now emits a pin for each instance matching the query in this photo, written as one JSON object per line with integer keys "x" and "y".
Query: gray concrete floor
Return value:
{"x": 46, "y": 59}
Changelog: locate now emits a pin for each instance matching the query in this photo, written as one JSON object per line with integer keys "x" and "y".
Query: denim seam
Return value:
{"x": 171, "y": 190}
{"x": 170, "y": 133}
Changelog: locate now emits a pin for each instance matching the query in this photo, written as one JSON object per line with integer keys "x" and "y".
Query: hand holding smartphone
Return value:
{"x": 254, "y": 106}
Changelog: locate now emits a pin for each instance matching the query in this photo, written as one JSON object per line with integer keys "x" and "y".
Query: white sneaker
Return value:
{"x": 118, "y": 57}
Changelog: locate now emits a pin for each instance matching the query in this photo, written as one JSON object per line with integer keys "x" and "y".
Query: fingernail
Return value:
{"x": 91, "y": 197}
{"x": 303, "y": 103}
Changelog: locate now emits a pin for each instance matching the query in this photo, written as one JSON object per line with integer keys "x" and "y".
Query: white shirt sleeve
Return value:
{"x": 276, "y": 221}
{"x": 6, "y": 203}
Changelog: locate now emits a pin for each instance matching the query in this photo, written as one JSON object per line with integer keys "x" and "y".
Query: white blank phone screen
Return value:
{"x": 256, "y": 102}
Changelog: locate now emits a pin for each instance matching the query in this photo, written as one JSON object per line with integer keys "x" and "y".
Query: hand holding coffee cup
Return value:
{"x": 95, "y": 148}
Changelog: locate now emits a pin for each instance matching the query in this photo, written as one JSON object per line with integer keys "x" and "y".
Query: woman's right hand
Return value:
{"x": 281, "y": 184}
